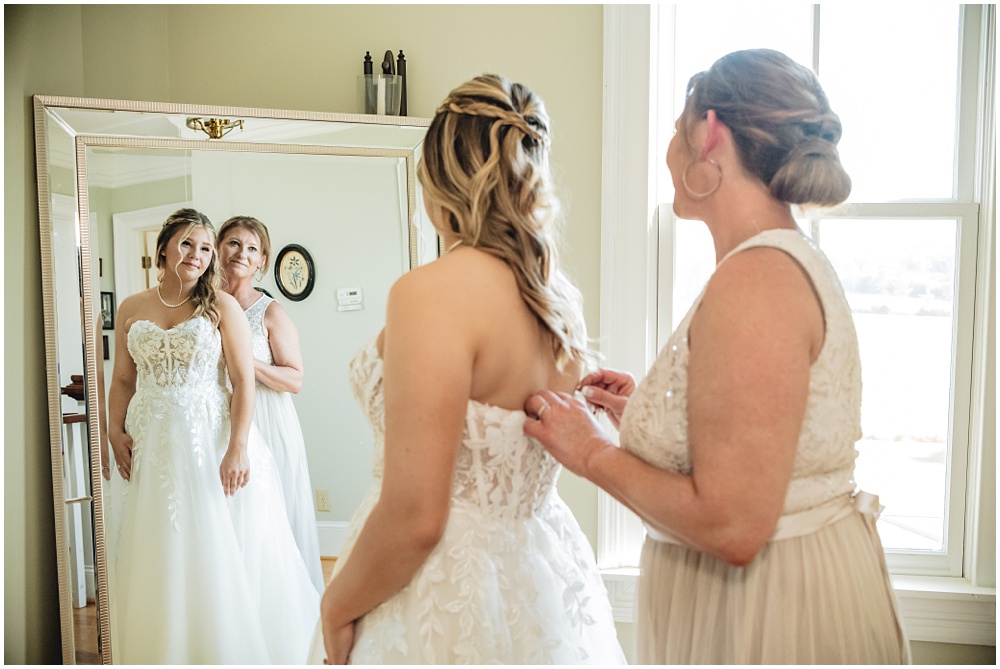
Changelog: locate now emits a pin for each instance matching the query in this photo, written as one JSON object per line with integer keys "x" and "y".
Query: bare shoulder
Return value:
{"x": 759, "y": 274}
{"x": 450, "y": 297}
{"x": 466, "y": 276}
{"x": 228, "y": 306}
{"x": 134, "y": 305}
{"x": 761, "y": 295}
{"x": 420, "y": 288}
{"x": 227, "y": 301}
{"x": 132, "y": 302}
{"x": 275, "y": 314}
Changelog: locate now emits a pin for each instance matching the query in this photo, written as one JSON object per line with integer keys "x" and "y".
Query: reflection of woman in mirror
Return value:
{"x": 192, "y": 575}
{"x": 244, "y": 250}
{"x": 462, "y": 552}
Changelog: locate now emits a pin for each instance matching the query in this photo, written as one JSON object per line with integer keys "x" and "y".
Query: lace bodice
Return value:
{"x": 182, "y": 363}
{"x": 499, "y": 470}
{"x": 255, "y": 314}
{"x": 512, "y": 579}
{"x": 655, "y": 424}
{"x": 180, "y": 375}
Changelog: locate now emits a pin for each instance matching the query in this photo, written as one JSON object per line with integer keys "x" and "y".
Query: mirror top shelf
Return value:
{"x": 160, "y": 120}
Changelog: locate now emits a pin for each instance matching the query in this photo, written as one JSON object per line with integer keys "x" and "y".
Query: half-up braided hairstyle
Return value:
{"x": 205, "y": 295}
{"x": 781, "y": 122}
{"x": 486, "y": 161}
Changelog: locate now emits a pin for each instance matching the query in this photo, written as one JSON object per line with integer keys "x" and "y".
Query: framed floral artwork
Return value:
{"x": 294, "y": 272}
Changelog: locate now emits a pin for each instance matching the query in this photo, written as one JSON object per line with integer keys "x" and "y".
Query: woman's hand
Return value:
{"x": 234, "y": 470}
{"x": 338, "y": 639}
{"x": 566, "y": 428}
{"x": 121, "y": 443}
{"x": 105, "y": 456}
{"x": 608, "y": 390}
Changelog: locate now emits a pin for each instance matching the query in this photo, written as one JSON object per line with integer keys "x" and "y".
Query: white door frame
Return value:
{"x": 127, "y": 229}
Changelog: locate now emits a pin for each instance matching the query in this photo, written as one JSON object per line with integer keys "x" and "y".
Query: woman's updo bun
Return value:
{"x": 781, "y": 122}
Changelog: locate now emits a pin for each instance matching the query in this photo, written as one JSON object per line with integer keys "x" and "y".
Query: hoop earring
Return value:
{"x": 259, "y": 275}
{"x": 696, "y": 195}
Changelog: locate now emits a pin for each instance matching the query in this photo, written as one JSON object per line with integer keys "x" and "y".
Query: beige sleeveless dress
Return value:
{"x": 819, "y": 592}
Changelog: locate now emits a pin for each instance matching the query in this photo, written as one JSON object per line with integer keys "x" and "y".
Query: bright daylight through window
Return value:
{"x": 904, "y": 246}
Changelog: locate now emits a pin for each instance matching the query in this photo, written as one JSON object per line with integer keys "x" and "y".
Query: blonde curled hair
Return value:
{"x": 781, "y": 122}
{"x": 486, "y": 161}
{"x": 205, "y": 295}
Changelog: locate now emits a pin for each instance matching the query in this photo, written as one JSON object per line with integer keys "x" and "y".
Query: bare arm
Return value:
{"x": 285, "y": 375}
{"x": 752, "y": 343}
{"x": 427, "y": 370}
{"x": 237, "y": 349}
{"x": 123, "y": 378}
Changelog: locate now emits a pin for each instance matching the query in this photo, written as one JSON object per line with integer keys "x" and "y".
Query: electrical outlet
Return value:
{"x": 322, "y": 500}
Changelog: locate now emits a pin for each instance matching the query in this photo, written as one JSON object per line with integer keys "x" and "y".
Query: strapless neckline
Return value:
{"x": 173, "y": 327}
{"x": 371, "y": 348}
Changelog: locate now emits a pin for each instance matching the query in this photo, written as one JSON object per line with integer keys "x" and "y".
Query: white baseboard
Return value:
{"x": 933, "y": 609}
{"x": 331, "y": 537}
{"x": 88, "y": 577}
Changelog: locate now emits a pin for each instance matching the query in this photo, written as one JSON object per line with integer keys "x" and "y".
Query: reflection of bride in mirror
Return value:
{"x": 244, "y": 250}
{"x": 202, "y": 564}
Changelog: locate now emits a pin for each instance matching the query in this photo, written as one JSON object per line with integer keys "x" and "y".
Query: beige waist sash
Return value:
{"x": 804, "y": 522}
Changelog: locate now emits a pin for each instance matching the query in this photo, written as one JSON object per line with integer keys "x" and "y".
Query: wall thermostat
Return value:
{"x": 350, "y": 299}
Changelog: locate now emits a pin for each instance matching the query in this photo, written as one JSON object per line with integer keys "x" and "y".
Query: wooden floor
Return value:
{"x": 85, "y": 634}
{"x": 328, "y": 563}
{"x": 85, "y": 623}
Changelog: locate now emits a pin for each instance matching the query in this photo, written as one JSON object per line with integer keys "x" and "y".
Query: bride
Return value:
{"x": 204, "y": 569}
{"x": 462, "y": 551}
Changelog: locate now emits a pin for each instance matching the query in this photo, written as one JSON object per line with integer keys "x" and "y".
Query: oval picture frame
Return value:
{"x": 294, "y": 272}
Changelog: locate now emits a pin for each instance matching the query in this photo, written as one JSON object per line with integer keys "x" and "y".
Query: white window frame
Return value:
{"x": 954, "y": 602}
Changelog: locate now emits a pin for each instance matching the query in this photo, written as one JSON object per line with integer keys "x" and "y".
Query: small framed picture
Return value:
{"x": 107, "y": 310}
{"x": 107, "y": 351}
{"x": 294, "y": 272}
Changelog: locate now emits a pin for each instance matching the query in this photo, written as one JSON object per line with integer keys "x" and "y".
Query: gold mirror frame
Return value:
{"x": 43, "y": 106}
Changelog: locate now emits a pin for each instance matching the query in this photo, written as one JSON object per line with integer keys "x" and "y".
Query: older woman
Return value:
{"x": 738, "y": 447}
{"x": 244, "y": 251}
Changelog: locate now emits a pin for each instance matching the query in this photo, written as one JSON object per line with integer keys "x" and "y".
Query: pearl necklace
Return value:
{"x": 450, "y": 248}
{"x": 164, "y": 302}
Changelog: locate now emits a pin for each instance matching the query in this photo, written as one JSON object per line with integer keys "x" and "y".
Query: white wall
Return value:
{"x": 346, "y": 211}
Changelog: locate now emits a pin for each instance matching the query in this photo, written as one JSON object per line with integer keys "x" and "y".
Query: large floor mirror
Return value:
{"x": 341, "y": 187}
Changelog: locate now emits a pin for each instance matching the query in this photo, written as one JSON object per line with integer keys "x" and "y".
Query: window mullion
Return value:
{"x": 967, "y": 115}
{"x": 816, "y": 23}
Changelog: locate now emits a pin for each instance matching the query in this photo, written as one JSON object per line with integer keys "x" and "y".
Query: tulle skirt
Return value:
{"x": 196, "y": 577}
{"x": 822, "y": 598}
{"x": 523, "y": 591}
{"x": 278, "y": 422}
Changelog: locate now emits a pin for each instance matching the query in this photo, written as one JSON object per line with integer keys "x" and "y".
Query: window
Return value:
{"x": 909, "y": 246}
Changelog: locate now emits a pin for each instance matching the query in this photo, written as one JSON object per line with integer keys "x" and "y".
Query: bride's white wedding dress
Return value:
{"x": 513, "y": 579}
{"x": 278, "y": 423}
{"x": 196, "y": 577}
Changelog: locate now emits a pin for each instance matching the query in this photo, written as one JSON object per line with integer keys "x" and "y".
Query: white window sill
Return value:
{"x": 944, "y": 610}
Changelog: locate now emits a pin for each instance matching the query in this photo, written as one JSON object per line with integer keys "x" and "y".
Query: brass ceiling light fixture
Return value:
{"x": 215, "y": 128}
